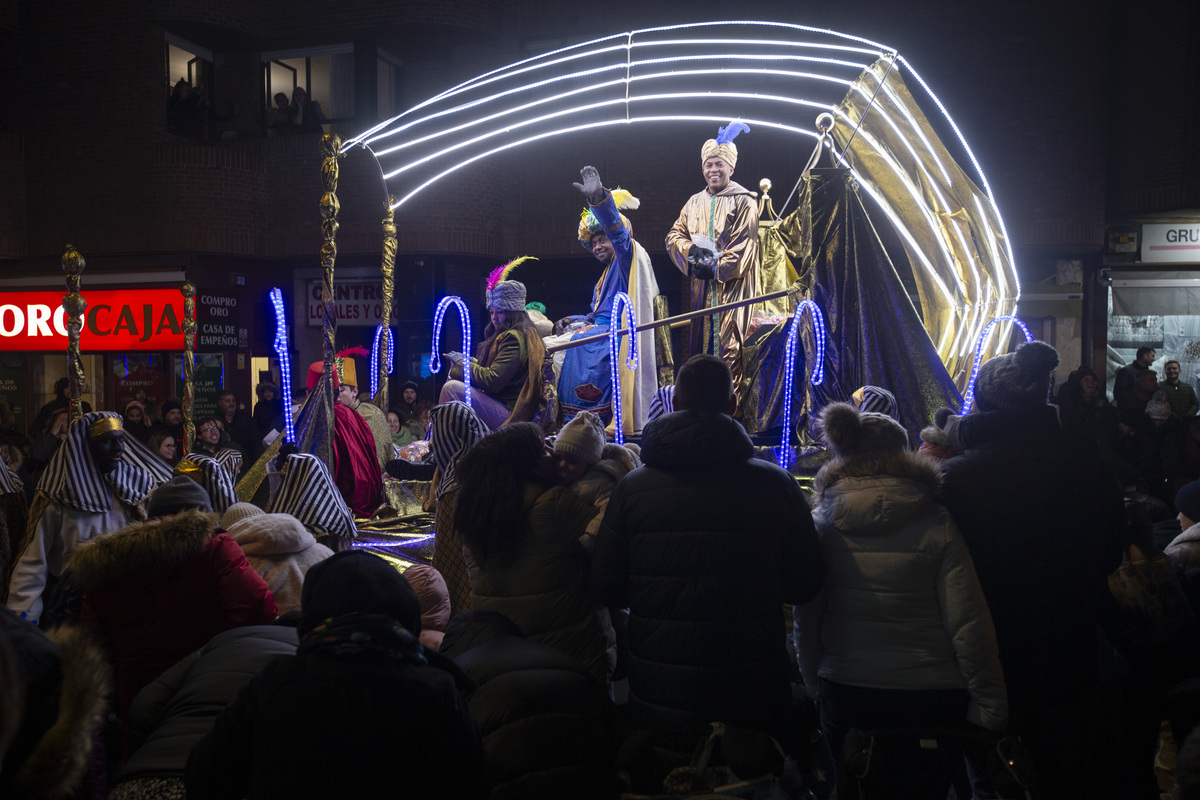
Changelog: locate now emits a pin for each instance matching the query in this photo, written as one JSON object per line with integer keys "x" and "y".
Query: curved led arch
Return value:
{"x": 770, "y": 75}
{"x": 435, "y": 359}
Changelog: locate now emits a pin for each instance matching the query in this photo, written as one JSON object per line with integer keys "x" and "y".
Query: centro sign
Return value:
{"x": 122, "y": 320}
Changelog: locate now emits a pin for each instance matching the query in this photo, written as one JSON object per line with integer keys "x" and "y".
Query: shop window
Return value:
{"x": 189, "y": 89}
{"x": 306, "y": 90}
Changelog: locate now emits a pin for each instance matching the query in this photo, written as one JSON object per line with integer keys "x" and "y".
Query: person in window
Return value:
{"x": 279, "y": 116}
{"x": 306, "y": 114}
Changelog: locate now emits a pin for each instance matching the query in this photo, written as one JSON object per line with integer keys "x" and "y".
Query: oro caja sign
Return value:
{"x": 116, "y": 319}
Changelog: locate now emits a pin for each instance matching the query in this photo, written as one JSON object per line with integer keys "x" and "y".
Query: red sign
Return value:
{"x": 129, "y": 319}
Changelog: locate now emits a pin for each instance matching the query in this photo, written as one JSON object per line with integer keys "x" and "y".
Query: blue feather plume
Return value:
{"x": 730, "y": 132}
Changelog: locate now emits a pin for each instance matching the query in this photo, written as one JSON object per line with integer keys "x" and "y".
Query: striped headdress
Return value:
{"x": 139, "y": 455}
{"x": 310, "y": 495}
{"x": 212, "y": 476}
{"x": 663, "y": 402}
{"x": 10, "y": 482}
{"x": 71, "y": 477}
{"x": 456, "y": 429}
{"x": 231, "y": 459}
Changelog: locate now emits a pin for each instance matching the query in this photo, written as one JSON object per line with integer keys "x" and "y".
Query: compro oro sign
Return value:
{"x": 356, "y": 302}
{"x": 123, "y": 320}
{"x": 1174, "y": 243}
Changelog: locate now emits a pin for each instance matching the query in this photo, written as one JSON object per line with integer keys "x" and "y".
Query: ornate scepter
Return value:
{"x": 331, "y": 145}
{"x": 74, "y": 304}
{"x": 189, "y": 362}
{"x": 383, "y": 335}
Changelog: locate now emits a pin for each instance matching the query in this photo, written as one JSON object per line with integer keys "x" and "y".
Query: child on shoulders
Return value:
{"x": 591, "y": 465}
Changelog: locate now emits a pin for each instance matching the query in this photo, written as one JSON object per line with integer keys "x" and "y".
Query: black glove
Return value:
{"x": 591, "y": 187}
{"x": 702, "y": 263}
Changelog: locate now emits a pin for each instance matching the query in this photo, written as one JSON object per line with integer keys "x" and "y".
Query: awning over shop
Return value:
{"x": 1156, "y": 294}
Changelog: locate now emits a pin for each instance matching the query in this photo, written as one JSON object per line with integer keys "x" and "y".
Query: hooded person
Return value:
{"x": 360, "y": 677}
{"x": 715, "y": 243}
{"x": 212, "y": 477}
{"x": 585, "y": 379}
{"x": 94, "y": 485}
{"x": 137, "y": 421}
{"x": 155, "y": 591}
{"x": 281, "y": 551}
{"x": 591, "y": 465}
{"x": 430, "y": 588}
{"x": 347, "y": 394}
{"x": 1042, "y": 516}
{"x": 456, "y": 429}
{"x": 900, "y": 635}
{"x": 307, "y": 493}
{"x": 356, "y": 469}
{"x": 506, "y": 373}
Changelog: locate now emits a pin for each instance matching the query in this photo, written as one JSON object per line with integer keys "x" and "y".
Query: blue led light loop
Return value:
{"x": 376, "y": 354}
{"x": 620, "y": 303}
{"x": 816, "y": 377}
{"x": 285, "y": 367}
{"x": 435, "y": 359}
{"x": 969, "y": 397}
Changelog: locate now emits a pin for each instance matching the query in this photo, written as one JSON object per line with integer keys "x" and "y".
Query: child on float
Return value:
{"x": 590, "y": 465}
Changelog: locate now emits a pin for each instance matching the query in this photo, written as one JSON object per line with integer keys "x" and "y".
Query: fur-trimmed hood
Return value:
{"x": 108, "y": 559}
{"x": 876, "y": 491}
{"x": 617, "y": 460}
{"x": 57, "y": 761}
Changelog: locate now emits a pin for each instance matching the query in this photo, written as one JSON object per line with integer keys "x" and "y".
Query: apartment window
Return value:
{"x": 304, "y": 89}
{"x": 188, "y": 88}
{"x": 388, "y": 78}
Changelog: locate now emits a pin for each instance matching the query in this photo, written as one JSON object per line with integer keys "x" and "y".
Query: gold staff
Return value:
{"x": 388, "y": 268}
{"x": 331, "y": 145}
{"x": 189, "y": 362}
{"x": 74, "y": 305}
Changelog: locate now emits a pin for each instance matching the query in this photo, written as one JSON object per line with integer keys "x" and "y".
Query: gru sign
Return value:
{"x": 129, "y": 320}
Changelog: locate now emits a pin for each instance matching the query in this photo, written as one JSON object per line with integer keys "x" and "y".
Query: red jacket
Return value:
{"x": 159, "y": 590}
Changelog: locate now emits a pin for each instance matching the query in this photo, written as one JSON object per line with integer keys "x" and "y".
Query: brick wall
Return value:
{"x": 86, "y": 157}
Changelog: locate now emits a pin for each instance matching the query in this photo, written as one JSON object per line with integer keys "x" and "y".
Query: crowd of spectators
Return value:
{"x": 1003, "y": 612}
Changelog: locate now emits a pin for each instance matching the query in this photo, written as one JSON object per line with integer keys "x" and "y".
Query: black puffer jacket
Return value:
{"x": 171, "y": 714}
{"x": 549, "y": 730}
{"x": 1042, "y": 518}
{"x": 704, "y": 544}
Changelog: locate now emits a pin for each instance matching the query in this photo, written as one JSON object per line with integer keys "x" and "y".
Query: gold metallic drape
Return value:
{"x": 74, "y": 304}
{"x": 387, "y": 268}
{"x": 189, "y": 363}
{"x": 331, "y": 145}
{"x": 775, "y": 269}
{"x": 951, "y": 232}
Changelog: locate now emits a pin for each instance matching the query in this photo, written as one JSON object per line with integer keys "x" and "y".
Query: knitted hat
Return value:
{"x": 239, "y": 511}
{"x": 723, "y": 147}
{"x": 879, "y": 400}
{"x": 1016, "y": 380}
{"x": 582, "y": 437}
{"x": 171, "y": 405}
{"x": 357, "y": 582}
{"x": 849, "y": 433}
{"x": 1158, "y": 409}
{"x": 1187, "y": 500}
{"x": 181, "y": 493}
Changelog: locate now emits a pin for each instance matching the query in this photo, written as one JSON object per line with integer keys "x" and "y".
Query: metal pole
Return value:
{"x": 331, "y": 145}
{"x": 388, "y": 268}
{"x": 74, "y": 304}
{"x": 189, "y": 363}
{"x": 674, "y": 321}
